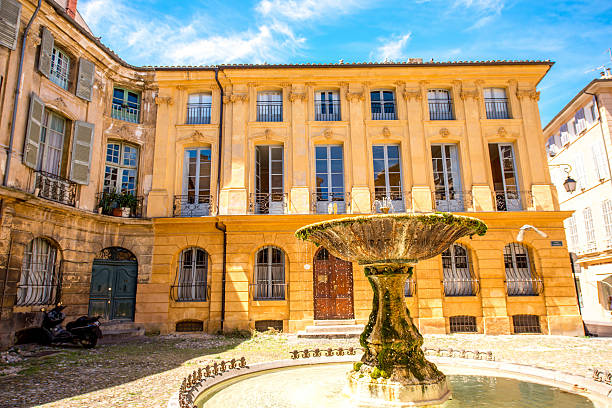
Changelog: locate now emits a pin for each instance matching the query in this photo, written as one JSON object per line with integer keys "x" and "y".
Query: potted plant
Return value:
{"x": 126, "y": 202}
{"x": 107, "y": 203}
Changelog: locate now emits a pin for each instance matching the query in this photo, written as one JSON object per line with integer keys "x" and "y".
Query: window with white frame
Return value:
{"x": 496, "y": 103}
{"x": 270, "y": 106}
{"x": 40, "y": 279}
{"x": 521, "y": 279}
{"x": 572, "y": 232}
{"x": 440, "y": 104}
{"x": 580, "y": 121}
{"x": 329, "y": 174}
{"x": 198, "y": 108}
{"x": 383, "y": 105}
{"x": 51, "y": 143}
{"x": 388, "y": 176}
{"x": 565, "y": 137}
{"x": 579, "y": 174}
{"x": 447, "y": 177}
{"x": 456, "y": 268}
{"x": 121, "y": 170}
{"x": 327, "y": 106}
{"x": 589, "y": 230}
{"x": 60, "y": 68}
{"x": 269, "y": 279}
{"x": 600, "y": 160}
{"x": 192, "y": 276}
{"x": 571, "y": 125}
{"x": 606, "y": 209}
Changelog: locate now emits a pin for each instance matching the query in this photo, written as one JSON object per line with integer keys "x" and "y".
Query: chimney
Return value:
{"x": 71, "y": 8}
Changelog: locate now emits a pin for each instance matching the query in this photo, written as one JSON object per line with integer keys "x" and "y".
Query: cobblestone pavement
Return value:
{"x": 146, "y": 372}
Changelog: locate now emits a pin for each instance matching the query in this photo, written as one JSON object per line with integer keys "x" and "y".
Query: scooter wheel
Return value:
{"x": 89, "y": 340}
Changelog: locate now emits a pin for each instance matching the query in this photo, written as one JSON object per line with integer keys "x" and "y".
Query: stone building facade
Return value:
{"x": 578, "y": 140}
{"x": 216, "y": 167}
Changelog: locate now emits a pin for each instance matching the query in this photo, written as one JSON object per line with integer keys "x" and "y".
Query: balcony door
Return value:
{"x": 269, "y": 190}
{"x": 51, "y": 143}
{"x": 327, "y": 106}
{"x": 447, "y": 177}
{"x": 195, "y": 200}
{"x": 505, "y": 179}
{"x": 387, "y": 177}
{"x": 330, "y": 179}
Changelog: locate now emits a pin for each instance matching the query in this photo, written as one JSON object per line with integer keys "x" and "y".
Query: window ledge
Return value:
{"x": 197, "y": 125}
{"x": 385, "y": 122}
{"x": 327, "y": 122}
{"x": 271, "y": 302}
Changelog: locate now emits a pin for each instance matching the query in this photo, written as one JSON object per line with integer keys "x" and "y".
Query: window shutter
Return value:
{"x": 87, "y": 70}
{"x": 10, "y": 16}
{"x": 46, "y": 49}
{"x": 81, "y": 152}
{"x": 33, "y": 130}
{"x": 604, "y": 295}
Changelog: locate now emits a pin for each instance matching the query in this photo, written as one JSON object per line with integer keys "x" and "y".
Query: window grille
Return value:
{"x": 526, "y": 324}
{"x": 496, "y": 103}
{"x": 191, "y": 278}
{"x": 126, "y": 105}
{"x": 198, "y": 108}
{"x": 327, "y": 106}
{"x": 116, "y": 254}
{"x": 521, "y": 279}
{"x": 270, "y": 106}
{"x": 60, "y": 68}
{"x": 458, "y": 274}
{"x": 265, "y": 325}
{"x": 121, "y": 170}
{"x": 190, "y": 326}
{"x": 463, "y": 324}
{"x": 440, "y": 104}
{"x": 269, "y": 279}
{"x": 589, "y": 229}
{"x": 572, "y": 231}
{"x": 383, "y": 105}
{"x": 41, "y": 279}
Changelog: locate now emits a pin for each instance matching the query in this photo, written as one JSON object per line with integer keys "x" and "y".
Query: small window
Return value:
{"x": 60, "y": 68}
{"x": 126, "y": 105}
{"x": 40, "y": 274}
{"x": 580, "y": 121}
{"x": 265, "y": 325}
{"x": 198, "y": 108}
{"x": 383, "y": 105}
{"x": 526, "y": 324}
{"x": 269, "y": 279}
{"x": 463, "y": 324}
{"x": 440, "y": 104}
{"x": 327, "y": 106}
{"x": 190, "y": 326}
{"x": 496, "y": 103}
{"x": 270, "y": 106}
{"x": 191, "y": 278}
{"x": 121, "y": 170}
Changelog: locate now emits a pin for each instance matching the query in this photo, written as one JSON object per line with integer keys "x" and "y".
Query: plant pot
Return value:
{"x": 117, "y": 212}
{"x": 125, "y": 212}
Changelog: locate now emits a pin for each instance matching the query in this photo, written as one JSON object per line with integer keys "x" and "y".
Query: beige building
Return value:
{"x": 578, "y": 139}
{"x": 167, "y": 197}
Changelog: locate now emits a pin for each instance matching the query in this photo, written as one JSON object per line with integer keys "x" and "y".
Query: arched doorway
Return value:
{"x": 332, "y": 287}
{"x": 114, "y": 276}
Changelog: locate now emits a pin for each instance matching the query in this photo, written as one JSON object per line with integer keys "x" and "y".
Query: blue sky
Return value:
{"x": 575, "y": 34}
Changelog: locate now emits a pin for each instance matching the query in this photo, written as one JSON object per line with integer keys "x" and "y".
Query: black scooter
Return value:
{"x": 84, "y": 331}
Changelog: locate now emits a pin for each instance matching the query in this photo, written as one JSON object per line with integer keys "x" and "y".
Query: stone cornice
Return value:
{"x": 355, "y": 96}
{"x": 410, "y": 94}
{"x": 528, "y": 93}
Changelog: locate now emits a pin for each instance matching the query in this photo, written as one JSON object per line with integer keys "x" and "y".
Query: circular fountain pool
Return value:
{"x": 323, "y": 385}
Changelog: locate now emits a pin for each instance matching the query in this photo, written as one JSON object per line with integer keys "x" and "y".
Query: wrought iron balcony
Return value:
{"x": 461, "y": 287}
{"x": 198, "y": 113}
{"x": 453, "y": 200}
{"x": 410, "y": 287}
{"x": 268, "y": 291}
{"x": 43, "y": 286}
{"x": 190, "y": 292}
{"x": 193, "y": 206}
{"x": 387, "y": 113}
{"x": 126, "y": 113}
{"x": 394, "y": 202}
{"x": 327, "y": 111}
{"x": 268, "y": 111}
{"x": 524, "y": 287}
{"x": 55, "y": 188}
{"x": 511, "y": 200}
{"x": 112, "y": 204}
{"x": 330, "y": 203}
{"x": 497, "y": 108}
{"x": 268, "y": 203}
{"x": 441, "y": 110}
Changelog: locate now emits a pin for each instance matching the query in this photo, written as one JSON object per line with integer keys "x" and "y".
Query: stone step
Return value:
{"x": 329, "y": 335}
{"x": 349, "y": 322}
{"x": 116, "y": 331}
{"x": 335, "y": 328}
{"x": 118, "y": 325}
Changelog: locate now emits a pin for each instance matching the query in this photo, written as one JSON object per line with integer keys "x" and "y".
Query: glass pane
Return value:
{"x": 378, "y": 152}
{"x": 393, "y": 151}
{"x": 336, "y": 166}
{"x": 277, "y": 153}
{"x": 336, "y": 152}
{"x": 375, "y": 96}
{"x": 118, "y": 96}
{"x": 337, "y": 180}
{"x": 321, "y": 166}
{"x": 321, "y": 152}
{"x": 388, "y": 95}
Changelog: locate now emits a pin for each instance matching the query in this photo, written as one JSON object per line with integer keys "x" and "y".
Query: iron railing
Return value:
{"x": 56, "y": 188}
{"x": 198, "y": 113}
{"x": 388, "y": 113}
{"x": 42, "y": 285}
{"x": 497, "y": 108}
{"x": 327, "y": 111}
{"x": 268, "y": 290}
{"x": 190, "y": 292}
{"x": 524, "y": 286}
{"x": 461, "y": 287}
{"x": 330, "y": 203}
{"x": 125, "y": 112}
{"x": 193, "y": 206}
{"x": 526, "y": 324}
{"x": 410, "y": 287}
{"x": 462, "y": 324}
{"x": 512, "y": 200}
{"x": 110, "y": 201}
{"x": 441, "y": 110}
{"x": 269, "y": 111}
{"x": 268, "y": 203}
{"x": 396, "y": 202}
{"x": 452, "y": 200}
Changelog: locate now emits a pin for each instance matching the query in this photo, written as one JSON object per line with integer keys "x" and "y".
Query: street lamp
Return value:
{"x": 569, "y": 184}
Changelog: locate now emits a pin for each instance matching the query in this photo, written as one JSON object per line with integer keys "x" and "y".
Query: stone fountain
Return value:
{"x": 393, "y": 371}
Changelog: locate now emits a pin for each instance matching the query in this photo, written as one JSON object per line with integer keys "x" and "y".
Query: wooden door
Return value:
{"x": 332, "y": 287}
{"x": 113, "y": 289}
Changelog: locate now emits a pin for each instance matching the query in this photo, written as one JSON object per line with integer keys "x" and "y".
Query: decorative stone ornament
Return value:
{"x": 328, "y": 133}
{"x": 501, "y": 132}
{"x": 163, "y": 100}
{"x": 444, "y": 132}
{"x": 295, "y": 96}
{"x": 410, "y": 94}
{"x": 386, "y": 132}
{"x": 355, "y": 96}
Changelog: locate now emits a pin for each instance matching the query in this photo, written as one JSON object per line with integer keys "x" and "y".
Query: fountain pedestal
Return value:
{"x": 394, "y": 371}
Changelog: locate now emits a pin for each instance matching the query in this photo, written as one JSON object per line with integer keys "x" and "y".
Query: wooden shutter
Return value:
{"x": 604, "y": 295}
{"x": 85, "y": 82}
{"x": 33, "y": 130}
{"x": 46, "y": 49}
{"x": 81, "y": 152}
{"x": 10, "y": 16}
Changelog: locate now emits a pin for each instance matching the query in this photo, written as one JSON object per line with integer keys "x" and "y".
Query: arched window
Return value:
{"x": 190, "y": 283}
{"x": 322, "y": 255}
{"x": 269, "y": 274}
{"x": 458, "y": 277}
{"x": 521, "y": 278}
{"x": 40, "y": 274}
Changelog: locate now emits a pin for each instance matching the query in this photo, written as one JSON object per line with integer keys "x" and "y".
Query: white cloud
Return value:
{"x": 392, "y": 49}
{"x": 485, "y": 10}
{"x": 308, "y": 9}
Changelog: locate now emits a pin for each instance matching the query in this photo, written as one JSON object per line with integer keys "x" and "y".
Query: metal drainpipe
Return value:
{"x": 219, "y": 225}
{"x": 9, "y": 154}
{"x": 603, "y": 136}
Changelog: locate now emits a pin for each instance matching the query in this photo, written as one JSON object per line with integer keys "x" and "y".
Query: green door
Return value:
{"x": 113, "y": 289}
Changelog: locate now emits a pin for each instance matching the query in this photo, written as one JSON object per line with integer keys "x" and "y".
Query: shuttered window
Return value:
{"x": 51, "y": 145}
{"x": 87, "y": 71}
{"x": 33, "y": 131}
{"x": 10, "y": 14}
{"x": 589, "y": 229}
{"x": 60, "y": 68}
{"x": 121, "y": 170}
{"x": 45, "y": 57}
{"x": 81, "y": 152}
{"x": 600, "y": 160}
{"x": 572, "y": 232}
{"x": 606, "y": 209}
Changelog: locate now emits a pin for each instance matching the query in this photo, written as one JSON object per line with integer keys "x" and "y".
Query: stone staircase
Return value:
{"x": 332, "y": 329}
{"x": 114, "y": 332}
